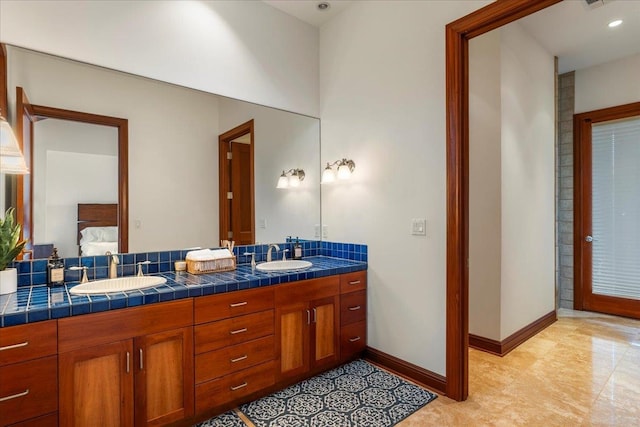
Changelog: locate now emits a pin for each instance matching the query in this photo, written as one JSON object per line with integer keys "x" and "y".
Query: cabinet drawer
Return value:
{"x": 235, "y": 386}
{"x": 30, "y": 341}
{"x": 222, "y": 306}
{"x": 90, "y": 330}
{"x": 49, "y": 420}
{"x": 353, "y": 339}
{"x": 353, "y": 307}
{"x": 222, "y": 362}
{"x": 352, "y": 282}
{"x": 215, "y": 335}
{"x": 29, "y": 389}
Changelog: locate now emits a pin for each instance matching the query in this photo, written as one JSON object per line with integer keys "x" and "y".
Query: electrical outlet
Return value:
{"x": 138, "y": 223}
{"x": 419, "y": 226}
{"x": 316, "y": 230}
{"x": 262, "y": 223}
{"x": 325, "y": 231}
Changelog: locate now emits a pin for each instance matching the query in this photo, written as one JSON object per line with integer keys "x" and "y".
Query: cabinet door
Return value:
{"x": 324, "y": 331}
{"x": 96, "y": 383}
{"x": 164, "y": 377}
{"x": 292, "y": 332}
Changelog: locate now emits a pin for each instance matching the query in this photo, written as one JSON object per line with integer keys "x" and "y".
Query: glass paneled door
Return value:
{"x": 607, "y": 237}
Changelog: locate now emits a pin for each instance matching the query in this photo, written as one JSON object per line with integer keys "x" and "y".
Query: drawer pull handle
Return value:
{"x": 238, "y": 304}
{"x": 141, "y": 360}
{"x": 354, "y": 282}
{"x": 14, "y": 396}
{"x": 354, "y": 308}
{"x": 238, "y": 359}
{"x": 11, "y": 347}
{"x": 238, "y": 331}
{"x": 354, "y": 339}
{"x": 238, "y": 387}
{"x": 128, "y": 360}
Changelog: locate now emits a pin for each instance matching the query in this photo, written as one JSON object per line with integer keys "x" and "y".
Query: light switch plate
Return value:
{"x": 419, "y": 226}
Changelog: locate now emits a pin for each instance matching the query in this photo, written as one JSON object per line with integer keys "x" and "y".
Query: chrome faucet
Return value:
{"x": 113, "y": 262}
{"x": 272, "y": 246}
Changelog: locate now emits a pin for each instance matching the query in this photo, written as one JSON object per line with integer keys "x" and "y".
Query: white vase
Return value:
{"x": 8, "y": 281}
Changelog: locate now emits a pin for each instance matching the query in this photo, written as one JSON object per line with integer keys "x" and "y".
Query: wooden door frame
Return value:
{"x": 122, "y": 126}
{"x": 582, "y": 193}
{"x": 223, "y": 177}
{"x": 458, "y": 34}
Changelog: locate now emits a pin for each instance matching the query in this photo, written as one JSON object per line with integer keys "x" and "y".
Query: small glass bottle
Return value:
{"x": 55, "y": 270}
{"x": 297, "y": 250}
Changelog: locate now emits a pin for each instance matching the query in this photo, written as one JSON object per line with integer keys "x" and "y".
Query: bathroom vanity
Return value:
{"x": 185, "y": 360}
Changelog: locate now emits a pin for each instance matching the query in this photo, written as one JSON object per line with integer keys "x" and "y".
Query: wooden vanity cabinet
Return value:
{"x": 353, "y": 314}
{"x": 307, "y": 322}
{"x": 29, "y": 374}
{"x": 126, "y": 367}
{"x": 234, "y": 346}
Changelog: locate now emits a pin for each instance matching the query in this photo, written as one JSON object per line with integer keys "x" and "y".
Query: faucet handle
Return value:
{"x": 84, "y": 268}
{"x": 284, "y": 254}
{"x": 140, "y": 273}
{"x": 253, "y": 258}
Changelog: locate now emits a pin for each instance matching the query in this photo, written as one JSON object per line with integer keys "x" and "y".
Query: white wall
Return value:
{"x": 282, "y": 141}
{"x": 485, "y": 187}
{"x": 242, "y": 49}
{"x": 608, "y": 85}
{"x": 65, "y": 191}
{"x": 528, "y": 189}
{"x": 511, "y": 196}
{"x": 173, "y": 132}
{"x": 382, "y": 79}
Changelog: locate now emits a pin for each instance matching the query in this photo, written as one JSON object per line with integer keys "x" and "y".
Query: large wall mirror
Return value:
{"x": 173, "y": 164}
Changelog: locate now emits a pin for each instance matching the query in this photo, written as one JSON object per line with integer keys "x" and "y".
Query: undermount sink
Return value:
{"x": 288, "y": 265}
{"x": 119, "y": 284}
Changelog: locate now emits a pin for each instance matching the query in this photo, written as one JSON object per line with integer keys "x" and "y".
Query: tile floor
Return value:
{"x": 584, "y": 370}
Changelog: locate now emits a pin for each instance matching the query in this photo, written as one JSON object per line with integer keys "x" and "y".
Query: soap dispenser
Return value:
{"x": 297, "y": 250}
{"x": 55, "y": 270}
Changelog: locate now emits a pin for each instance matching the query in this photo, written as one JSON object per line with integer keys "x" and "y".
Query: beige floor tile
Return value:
{"x": 584, "y": 370}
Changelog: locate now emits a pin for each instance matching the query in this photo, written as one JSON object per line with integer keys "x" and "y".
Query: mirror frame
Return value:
{"x": 44, "y": 112}
{"x": 457, "y": 36}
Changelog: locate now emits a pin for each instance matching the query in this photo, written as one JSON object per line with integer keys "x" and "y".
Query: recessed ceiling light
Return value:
{"x": 615, "y": 23}
{"x": 324, "y": 6}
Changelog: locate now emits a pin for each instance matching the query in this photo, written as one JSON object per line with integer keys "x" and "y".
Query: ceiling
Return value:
{"x": 579, "y": 35}
{"x": 307, "y": 10}
{"x": 571, "y": 30}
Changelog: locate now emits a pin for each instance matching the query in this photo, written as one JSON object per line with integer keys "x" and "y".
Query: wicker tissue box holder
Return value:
{"x": 211, "y": 266}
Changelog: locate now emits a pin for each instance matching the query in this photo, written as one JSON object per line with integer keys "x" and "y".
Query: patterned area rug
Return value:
{"x": 228, "y": 419}
{"x": 357, "y": 394}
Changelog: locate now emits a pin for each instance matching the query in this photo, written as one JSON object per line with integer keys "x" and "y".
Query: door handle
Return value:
{"x": 588, "y": 239}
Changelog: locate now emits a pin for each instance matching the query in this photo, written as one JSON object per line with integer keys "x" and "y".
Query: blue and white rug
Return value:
{"x": 228, "y": 419}
{"x": 357, "y": 394}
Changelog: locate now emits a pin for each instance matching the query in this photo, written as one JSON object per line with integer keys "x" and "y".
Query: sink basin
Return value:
{"x": 288, "y": 265}
{"x": 119, "y": 284}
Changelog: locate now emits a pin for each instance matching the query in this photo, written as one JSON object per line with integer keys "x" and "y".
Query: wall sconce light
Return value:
{"x": 11, "y": 158}
{"x": 345, "y": 169}
{"x": 291, "y": 178}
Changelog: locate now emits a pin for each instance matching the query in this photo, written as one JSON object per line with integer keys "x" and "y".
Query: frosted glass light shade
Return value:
{"x": 328, "y": 175}
{"x": 283, "y": 181}
{"x": 344, "y": 172}
{"x": 11, "y": 159}
{"x": 294, "y": 181}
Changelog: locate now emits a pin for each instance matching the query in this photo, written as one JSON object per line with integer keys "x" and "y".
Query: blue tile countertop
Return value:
{"x": 37, "y": 303}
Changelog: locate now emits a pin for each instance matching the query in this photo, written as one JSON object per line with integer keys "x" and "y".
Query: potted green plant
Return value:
{"x": 10, "y": 248}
